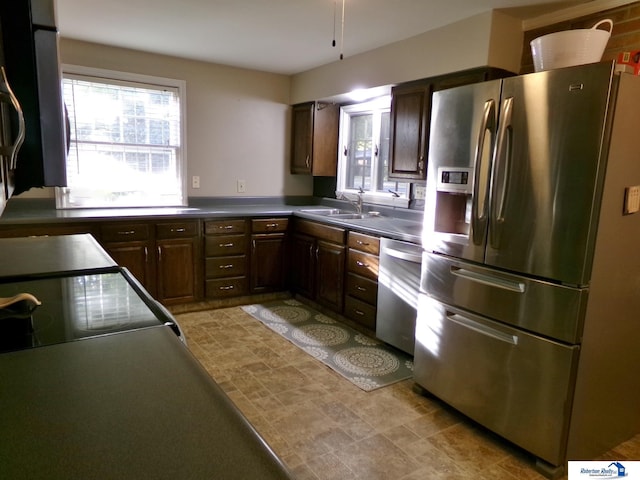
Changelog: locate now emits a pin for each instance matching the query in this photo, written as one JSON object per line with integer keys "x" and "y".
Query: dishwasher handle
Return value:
{"x": 402, "y": 255}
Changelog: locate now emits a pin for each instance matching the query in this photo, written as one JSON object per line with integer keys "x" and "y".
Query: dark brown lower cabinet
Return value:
{"x": 302, "y": 272}
{"x": 330, "y": 274}
{"x": 131, "y": 246}
{"x": 361, "y": 292}
{"x": 226, "y": 265}
{"x": 318, "y": 263}
{"x": 163, "y": 257}
{"x": 176, "y": 282}
{"x": 268, "y": 254}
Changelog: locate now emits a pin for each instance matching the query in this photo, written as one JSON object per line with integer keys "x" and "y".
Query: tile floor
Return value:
{"x": 323, "y": 427}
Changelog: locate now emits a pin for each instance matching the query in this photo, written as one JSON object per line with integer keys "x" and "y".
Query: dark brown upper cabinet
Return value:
{"x": 411, "y": 119}
{"x": 314, "y": 139}
{"x": 409, "y": 134}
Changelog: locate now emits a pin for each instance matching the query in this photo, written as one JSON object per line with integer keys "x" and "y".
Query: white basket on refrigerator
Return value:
{"x": 570, "y": 47}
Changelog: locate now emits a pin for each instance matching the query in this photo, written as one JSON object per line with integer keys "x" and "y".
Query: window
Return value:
{"x": 126, "y": 141}
{"x": 363, "y": 162}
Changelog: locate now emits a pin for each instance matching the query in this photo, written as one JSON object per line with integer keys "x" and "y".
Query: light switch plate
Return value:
{"x": 195, "y": 181}
{"x": 631, "y": 199}
{"x": 242, "y": 186}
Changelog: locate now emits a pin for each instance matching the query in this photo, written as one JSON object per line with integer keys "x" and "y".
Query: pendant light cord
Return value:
{"x": 335, "y": 18}
{"x": 335, "y": 13}
{"x": 342, "y": 33}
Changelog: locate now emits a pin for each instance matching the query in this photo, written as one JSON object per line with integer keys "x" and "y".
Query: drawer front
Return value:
{"x": 267, "y": 225}
{"x": 365, "y": 243}
{"x": 224, "y": 227}
{"x": 125, "y": 232}
{"x": 177, "y": 230}
{"x": 515, "y": 383}
{"x": 363, "y": 264}
{"x": 362, "y": 288}
{"x": 535, "y": 305}
{"x": 227, "y": 287}
{"x": 225, "y": 245}
{"x": 319, "y": 230}
{"x": 360, "y": 312}
{"x": 221, "y": 267}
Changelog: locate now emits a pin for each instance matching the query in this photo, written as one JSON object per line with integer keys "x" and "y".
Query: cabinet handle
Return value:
{"x": 178, "y": 230}
{"x": 358, "y": 312}
{"x": 362, "y": 289}
{"x": 146, "y": 255}
{"x": 226, "y": 287}
{"x": 360, "y": 242}
{"x": 225, "y": 227}
{"x": 307, "y": 161}
{"x": 421, "y": 164}
{"x": 271, "y": 225}
{"x": 230, "y": 265}
{"x": 126, "y": 232}
{"x": 227, "y": 245}
{"x": 159, "y": 254}
{"x": 360, "y": 264}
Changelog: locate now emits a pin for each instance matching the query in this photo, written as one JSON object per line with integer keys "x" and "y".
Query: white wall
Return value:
{"x": 238, "y": 120}
{"x": 491, "y": 38}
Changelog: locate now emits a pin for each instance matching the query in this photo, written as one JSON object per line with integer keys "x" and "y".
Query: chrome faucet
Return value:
{"x": 355, "y": 203}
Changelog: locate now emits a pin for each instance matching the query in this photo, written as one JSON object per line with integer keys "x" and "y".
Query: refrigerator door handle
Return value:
{"x": 502, "y": 165}
{"x": 480, "y": 181}
{"x": 489, "y": 280}
{"x": 482, "y": 329}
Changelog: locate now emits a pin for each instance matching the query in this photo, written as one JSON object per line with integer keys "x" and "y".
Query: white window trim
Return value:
{"x": 378, "y": 198}
{"x": 118, "y": 76}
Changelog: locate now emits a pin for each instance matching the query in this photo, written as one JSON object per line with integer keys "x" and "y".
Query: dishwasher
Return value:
{"x": 398, "y": 287}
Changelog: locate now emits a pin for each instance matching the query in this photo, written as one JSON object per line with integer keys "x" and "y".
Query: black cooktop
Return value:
{"x": 75, "y": 307}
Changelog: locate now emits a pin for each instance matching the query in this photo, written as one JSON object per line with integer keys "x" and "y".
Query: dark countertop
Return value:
{"x": 26, "y": 256}
{"x": 130, "y": 405}
{"x": 400, "y": 224}
{"x": 126, "y": 404}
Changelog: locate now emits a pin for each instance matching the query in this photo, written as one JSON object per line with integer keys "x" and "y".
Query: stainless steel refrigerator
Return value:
{"x": 529, "y": 312}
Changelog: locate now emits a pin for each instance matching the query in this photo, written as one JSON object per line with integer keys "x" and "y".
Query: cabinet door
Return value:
{"x": 268, "y": 253}
{"x": 303, "y": 265}
{"x": 302, "y": 137}
{"x": 330, "y": 261}
{"x": 176, "y": 276}
{"x": 134, "y": 256}
{"x": 410, "y": 115}
{"x": 326, "y": 125}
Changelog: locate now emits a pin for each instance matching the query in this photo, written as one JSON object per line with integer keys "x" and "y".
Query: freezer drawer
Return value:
{"x": 545, "y": 308}
{"x": 516, "y": 384}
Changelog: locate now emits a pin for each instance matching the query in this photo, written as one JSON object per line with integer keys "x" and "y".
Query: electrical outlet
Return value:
{"x": 420, "y": 192}
{"x": 242, "y": 186}
{"x": 631, "y": 199}
{"x": 195, "y": 181}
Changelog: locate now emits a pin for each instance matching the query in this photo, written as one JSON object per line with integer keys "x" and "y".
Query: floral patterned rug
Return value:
{"x": 366, "y": 362}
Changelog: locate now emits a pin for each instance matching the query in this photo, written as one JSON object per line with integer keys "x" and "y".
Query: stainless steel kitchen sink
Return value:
{"x": 338, "y": 213}
{"x": 354, "y": 216}
{"x": 322, "y": 211}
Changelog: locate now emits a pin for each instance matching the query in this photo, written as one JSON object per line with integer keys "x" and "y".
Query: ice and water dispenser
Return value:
{"x": 454, "y": 200}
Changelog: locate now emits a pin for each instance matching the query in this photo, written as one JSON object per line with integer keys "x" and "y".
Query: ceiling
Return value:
{"x": 280, "y": 36}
